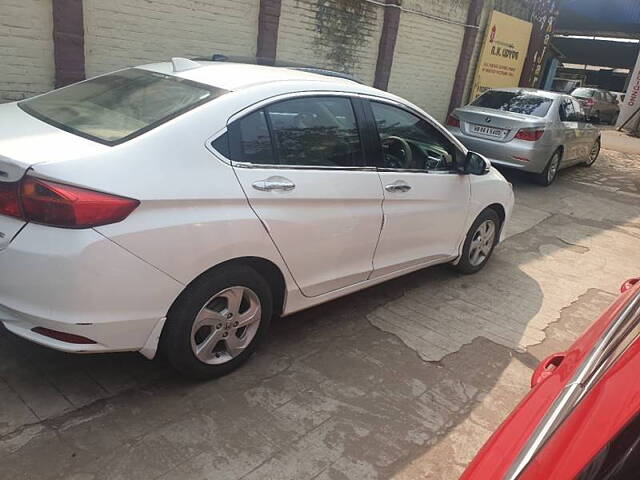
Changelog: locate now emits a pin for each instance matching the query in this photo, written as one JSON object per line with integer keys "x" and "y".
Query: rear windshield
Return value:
{"x": 583, "y": 92}
{"x": 516, "y": 102}
{"x": 114, "y": 108}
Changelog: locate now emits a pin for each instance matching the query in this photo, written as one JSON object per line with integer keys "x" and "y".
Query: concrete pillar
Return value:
{"x": 268, "y": 24}
{"x": 466, "y": 52}
{"x": 387, "y": 45}
{"x": 68, "y": 41}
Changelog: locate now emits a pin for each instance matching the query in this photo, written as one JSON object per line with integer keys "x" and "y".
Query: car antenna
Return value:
{"x": 181, "y": 64}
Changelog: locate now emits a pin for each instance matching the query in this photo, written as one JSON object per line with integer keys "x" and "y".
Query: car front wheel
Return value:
{"x": 217, "y": 322}
{"x": 481, "y": 239}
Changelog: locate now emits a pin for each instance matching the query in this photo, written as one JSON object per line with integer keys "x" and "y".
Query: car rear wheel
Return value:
{"x": 614, "y": 118}
{"x": 596, "y": 118}
{"x": 550, "y": 172}
{"x": 593, "y": 154}
{"x": 217, "y": 322}
{"x": 481, "y": 239}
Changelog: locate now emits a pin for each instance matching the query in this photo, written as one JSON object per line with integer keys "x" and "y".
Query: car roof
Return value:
{"x": 237, "y": 76}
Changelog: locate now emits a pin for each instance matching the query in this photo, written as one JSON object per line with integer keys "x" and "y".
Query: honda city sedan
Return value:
{"x": 530, "y": 130}
{"x": 581, "y": 419}
{"x": 177, "y": 206}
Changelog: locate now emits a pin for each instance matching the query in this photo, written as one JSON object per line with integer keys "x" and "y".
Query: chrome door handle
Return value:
{"x": 397, "y": 187}
{"x": 274, "y": 183}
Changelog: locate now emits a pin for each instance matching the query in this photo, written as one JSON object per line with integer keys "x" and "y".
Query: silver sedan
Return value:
{"x": 531, "y": 130}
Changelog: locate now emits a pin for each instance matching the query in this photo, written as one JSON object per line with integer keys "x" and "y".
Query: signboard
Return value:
{"x": 545, "y": 13}
{"x": 629, "y": 114}
{"x": 503, "y": 53}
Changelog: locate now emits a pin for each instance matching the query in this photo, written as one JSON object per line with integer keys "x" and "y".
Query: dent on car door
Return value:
{"x": 425, "y": 201}
{"x": 300, "y": 163}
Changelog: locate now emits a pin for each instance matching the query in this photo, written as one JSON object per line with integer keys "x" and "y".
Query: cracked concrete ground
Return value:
{"x": 404, "y": 380}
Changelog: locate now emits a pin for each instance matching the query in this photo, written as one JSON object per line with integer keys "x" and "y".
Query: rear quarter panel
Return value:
{"x": 193, "y": 213}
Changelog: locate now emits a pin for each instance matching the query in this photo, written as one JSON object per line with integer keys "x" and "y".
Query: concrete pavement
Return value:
{"x": 406, "y": 379}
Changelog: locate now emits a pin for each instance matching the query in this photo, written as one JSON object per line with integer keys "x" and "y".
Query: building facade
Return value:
{"x": 414, "y": 48}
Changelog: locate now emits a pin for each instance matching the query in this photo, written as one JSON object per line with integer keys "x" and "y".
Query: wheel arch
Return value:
{"x": 266, "y": 268}
{"x": 500, "y": 210}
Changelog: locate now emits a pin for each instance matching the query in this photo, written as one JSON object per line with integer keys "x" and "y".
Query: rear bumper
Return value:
{"x": 519, "y": 154}
{"x": 79, "y": 282}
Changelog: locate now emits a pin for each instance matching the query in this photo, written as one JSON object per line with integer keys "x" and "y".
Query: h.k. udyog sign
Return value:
{"x": 503, "y": 53}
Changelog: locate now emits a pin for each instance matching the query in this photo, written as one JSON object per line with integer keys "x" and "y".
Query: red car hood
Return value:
{"x": 615, "y": 394}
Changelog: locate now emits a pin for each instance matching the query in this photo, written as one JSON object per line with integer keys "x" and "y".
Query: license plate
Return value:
{"x": 489, "y": 131}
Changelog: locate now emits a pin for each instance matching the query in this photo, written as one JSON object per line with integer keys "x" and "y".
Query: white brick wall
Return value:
{"x": 427, "y": 53}
{"x": 26, "y": 48}
{"x": 120, "y": 33}
{"x": 300, "y": 41}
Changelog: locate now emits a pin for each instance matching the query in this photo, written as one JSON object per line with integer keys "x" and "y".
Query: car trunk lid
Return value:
{"x": 26, "y": 141}
{"x": 495, "y": 125}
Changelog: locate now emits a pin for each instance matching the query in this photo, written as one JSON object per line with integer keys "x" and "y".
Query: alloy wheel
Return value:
{"x": 482, "y": 242}
{"x": 553, "y": 168}
{"x": 226, "y": 325}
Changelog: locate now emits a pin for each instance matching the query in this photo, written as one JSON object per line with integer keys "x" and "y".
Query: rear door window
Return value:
{"x": 516, "y": 102}
{"x": 114, "y": 108}
{"x": 567, "y": 111}
{"x": 306, "y": 132}
{"x": 580, "y": 115}
{"x": 315, "y": 131}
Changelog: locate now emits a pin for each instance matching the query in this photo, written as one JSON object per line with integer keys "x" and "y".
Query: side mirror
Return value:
{"x": 475, "y": 164}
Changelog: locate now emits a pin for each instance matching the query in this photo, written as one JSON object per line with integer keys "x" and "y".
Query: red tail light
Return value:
{"x": 61, "y": 205}
{"x": 10, "y": 199}
{"x": 529, "y": 134}
{"x": 58, "y": 205}
{"x": 453, "y": 121}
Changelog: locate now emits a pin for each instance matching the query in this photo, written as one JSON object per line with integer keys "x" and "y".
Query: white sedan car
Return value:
{"x": 179, "y": 205}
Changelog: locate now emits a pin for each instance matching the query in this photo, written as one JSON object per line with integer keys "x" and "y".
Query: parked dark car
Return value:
{"x": 599, "y": 105}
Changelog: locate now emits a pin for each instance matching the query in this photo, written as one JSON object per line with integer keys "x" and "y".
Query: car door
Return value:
{"x": 586, "y": 133}
{"x": 569, "y": 120}
{"x": 300, "y": 163}
{"x": 425, "y": 201}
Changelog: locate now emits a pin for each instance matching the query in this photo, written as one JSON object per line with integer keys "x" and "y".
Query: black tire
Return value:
{"x": 176, "y": 339}
{"x": 614, "y": 119}
{"x": 543, "y": 178}
{"x": 466, "y": 265}
{"x": 593, "y": 157}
